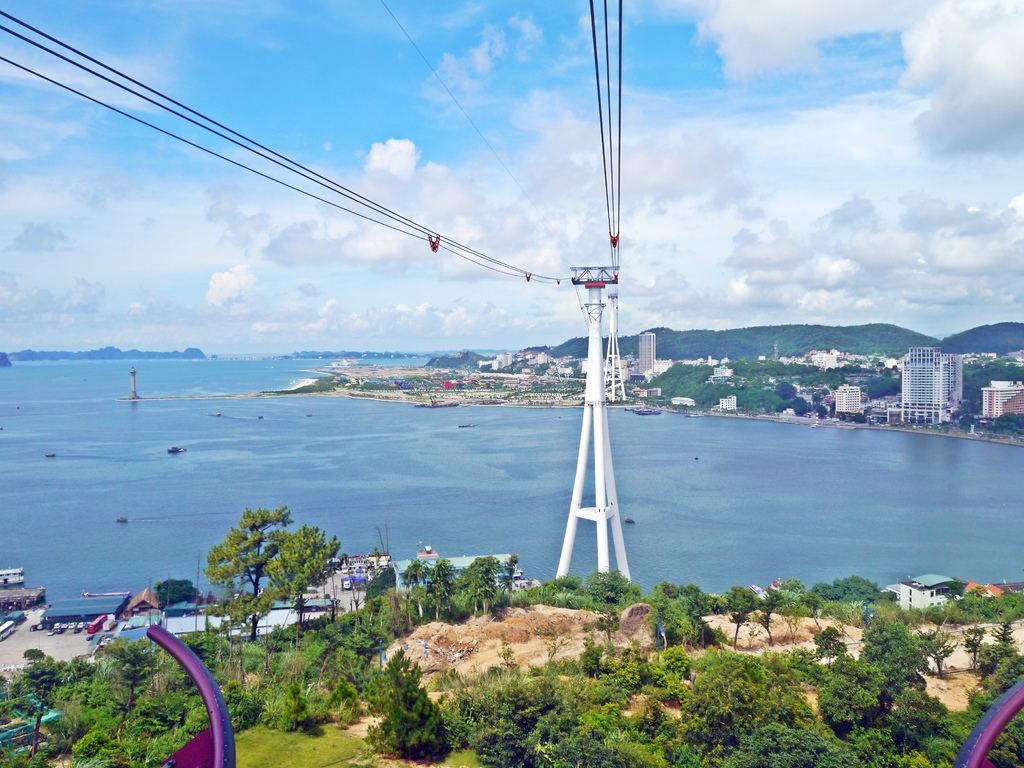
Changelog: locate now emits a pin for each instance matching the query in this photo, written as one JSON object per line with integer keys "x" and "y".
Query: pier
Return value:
{"x": 21, "y": 599}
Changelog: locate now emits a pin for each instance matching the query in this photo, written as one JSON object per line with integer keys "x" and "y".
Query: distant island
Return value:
{"x": 4, "y": 361}
{"x": 106, "y": 353}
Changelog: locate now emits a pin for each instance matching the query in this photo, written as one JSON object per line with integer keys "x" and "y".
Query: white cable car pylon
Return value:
{"x": 615, "y": 387}
{"x": 605, "y": 511}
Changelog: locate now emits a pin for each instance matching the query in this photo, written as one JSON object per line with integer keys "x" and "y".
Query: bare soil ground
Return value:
{"x": 534, "y": 635}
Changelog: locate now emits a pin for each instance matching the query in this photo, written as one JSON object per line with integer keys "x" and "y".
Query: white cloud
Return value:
{"x": 229, "y": 287}
{"x": 968, "y": 53}
{"x": 38, "y": 238}
{"x": 530, "y": 36}
{"x": 757, "y": 36}
{"x": 397, "y": 157}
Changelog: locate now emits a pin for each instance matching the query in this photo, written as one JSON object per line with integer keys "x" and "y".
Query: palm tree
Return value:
{"x": 413, "y": 576}
{"x": 508, "y": 576}
{"x": 441, "y": 585}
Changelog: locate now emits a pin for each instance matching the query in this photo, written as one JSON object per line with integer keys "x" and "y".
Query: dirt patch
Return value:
{"x": 534, "y": 635}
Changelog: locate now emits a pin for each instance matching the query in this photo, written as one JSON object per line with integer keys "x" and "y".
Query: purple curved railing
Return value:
{"x": 974, "y": 753}
{"x": 215, "y": 746}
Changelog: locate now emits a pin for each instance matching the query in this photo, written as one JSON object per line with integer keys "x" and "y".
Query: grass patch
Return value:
{"x": 262, "y": 747}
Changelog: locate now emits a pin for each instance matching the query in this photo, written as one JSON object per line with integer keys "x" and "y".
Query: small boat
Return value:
{"x": 176, "y": 449}
{"x": 122, "y": 519}
{"x": 466, "y": 426}
{"x": 628, "y": 520}
{"x": 49, "y": 455}
{"x": 646, "y": 411}
{"x": 217, "y": 413}
{"x": 259, "y": 417}
{"x": 309, "y": 415}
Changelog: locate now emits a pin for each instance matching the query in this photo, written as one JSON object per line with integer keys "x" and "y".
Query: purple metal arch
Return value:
{"x": 214, "y": 747}
{"x": 974, "y": 753}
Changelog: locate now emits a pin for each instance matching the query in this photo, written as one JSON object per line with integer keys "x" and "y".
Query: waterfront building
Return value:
{"x": 727, "y": 403}
{"x": 648, "y": 352}
{"x": 687, "y": 401}
{"x": 847, "y": 399}
{"x": 932, "y": 385}
{"x": 922, "y": 592}
{"x": 1002, "y": 397}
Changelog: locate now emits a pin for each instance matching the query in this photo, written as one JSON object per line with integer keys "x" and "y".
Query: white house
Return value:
{"x": 922, "y": 592}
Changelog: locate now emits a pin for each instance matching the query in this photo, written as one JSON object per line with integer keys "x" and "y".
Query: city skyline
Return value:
{"x": 782, "y": 163}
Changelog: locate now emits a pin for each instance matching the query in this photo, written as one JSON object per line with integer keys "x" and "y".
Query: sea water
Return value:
{"x": 716, "y": 501}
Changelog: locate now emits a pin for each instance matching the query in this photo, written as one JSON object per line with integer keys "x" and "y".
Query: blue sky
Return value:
{"x": 784, "y": 161}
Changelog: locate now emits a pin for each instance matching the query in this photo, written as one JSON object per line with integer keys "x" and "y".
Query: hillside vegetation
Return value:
{"x": 749, "y": 343}
{"x": 999, "y": 338}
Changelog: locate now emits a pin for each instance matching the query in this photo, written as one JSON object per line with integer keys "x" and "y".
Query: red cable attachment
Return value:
{"x": 558, "y": 282}
{"x": 615, "y": 240}
{"x": 528, "y": 276}
{"x": 434, "y": 242}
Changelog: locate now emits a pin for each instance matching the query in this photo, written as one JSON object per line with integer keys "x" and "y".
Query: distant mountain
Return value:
{"x": 314, "y": 355}
{"x": 108, "y": 353}
{"x": 459, "y": 360}
{"x": 4, "y": 361}
{"x": 749, "y": 343}
{"x": 999, "y": 338}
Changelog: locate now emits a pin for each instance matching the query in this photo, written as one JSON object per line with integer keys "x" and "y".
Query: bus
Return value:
{"x": 95, "y": 625}
{"x": 6, "y": 629}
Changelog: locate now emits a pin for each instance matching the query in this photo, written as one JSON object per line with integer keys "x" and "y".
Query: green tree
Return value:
{"x": 813, "y": 602}
{"x": 414, "y": 575}
{"x": 898, "y": 654}
{"x": 849, "y": 696}
{"x": 131, "y": 666}
{"x": 441, "y": 586}
{"x": 302, "y": 560}
{"x": 241, "y": 561}
{"x": 770, "y": 604}
{"x": 175, "y": 591}
{"x": 776, "y": 746}
{"x": 973, "y": 638}
{"x": 739, "y": 603}
{"x": 38, "y": 684}
{"x": 938, "y": 645}
{"x": 411, "y": 725}
{"x": 480, "y": 581}
{"x": 829, "y": 645}
{"x": 508, "y": 574}
{"x": 608, "y": 622}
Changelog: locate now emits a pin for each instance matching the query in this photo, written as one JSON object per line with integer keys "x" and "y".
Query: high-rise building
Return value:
{"x": 648, "y": 351}
{"x": 1002, "y": 397}
{"x": 848, "y": 399}
{"x": 932, "y": 385}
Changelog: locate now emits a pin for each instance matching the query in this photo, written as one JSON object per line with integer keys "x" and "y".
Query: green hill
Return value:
{"x": 458, "y": 360}
{"x": 749, "y": 343}
{"x": 999, "y": 338}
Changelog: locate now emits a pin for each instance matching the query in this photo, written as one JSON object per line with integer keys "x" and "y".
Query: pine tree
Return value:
{"x": 411, "y": 725}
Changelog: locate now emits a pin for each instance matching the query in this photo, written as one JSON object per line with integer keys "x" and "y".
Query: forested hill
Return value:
{"x": 108, "y": 353}
{"x": 467, "y": 360}
{"x": 749, "y": 343}
{"x": 999, "y": 338}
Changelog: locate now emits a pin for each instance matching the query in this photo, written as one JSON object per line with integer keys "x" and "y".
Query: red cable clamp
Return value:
{"x": 528, "y": 276}
{"x": 615, "y": 240}
{"x": 434, "y": 242}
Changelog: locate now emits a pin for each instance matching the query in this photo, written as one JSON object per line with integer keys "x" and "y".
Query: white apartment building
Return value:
{"x": 932, "y": 385}
{"x": 1002, "y": 397}
{"x": 727, "y": 403}
{"x": 922, "y": 592}
{"x": 848, "y": 399}
{"x": 660, "y": 366}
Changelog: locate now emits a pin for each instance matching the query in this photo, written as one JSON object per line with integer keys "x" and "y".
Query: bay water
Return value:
{"x": 717, "y": 501}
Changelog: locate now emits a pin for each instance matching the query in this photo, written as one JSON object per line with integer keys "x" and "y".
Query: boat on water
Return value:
{"x": 176, "y": 449}
{"x": 628, "y": 520}
{"x": 10, "y": 577}
{"x": 466, "y": 426}
{"x": 49, "y": 455}
{"x": 122, "y": 519}
{"x": 647, "y": 411}
{"x": 106, "y": 594}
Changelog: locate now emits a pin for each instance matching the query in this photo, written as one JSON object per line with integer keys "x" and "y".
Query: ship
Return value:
{"x": 106, "y": 594}
{"x": 10, "y": 577}
{"x": 122, "y": 519}
{"x": 176, "y": 449}
{"x": 646, "y": 411}
{"x": 628, "y": 520}
{"x": 49, "y": 455}
{"x": 466, "y": 426}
